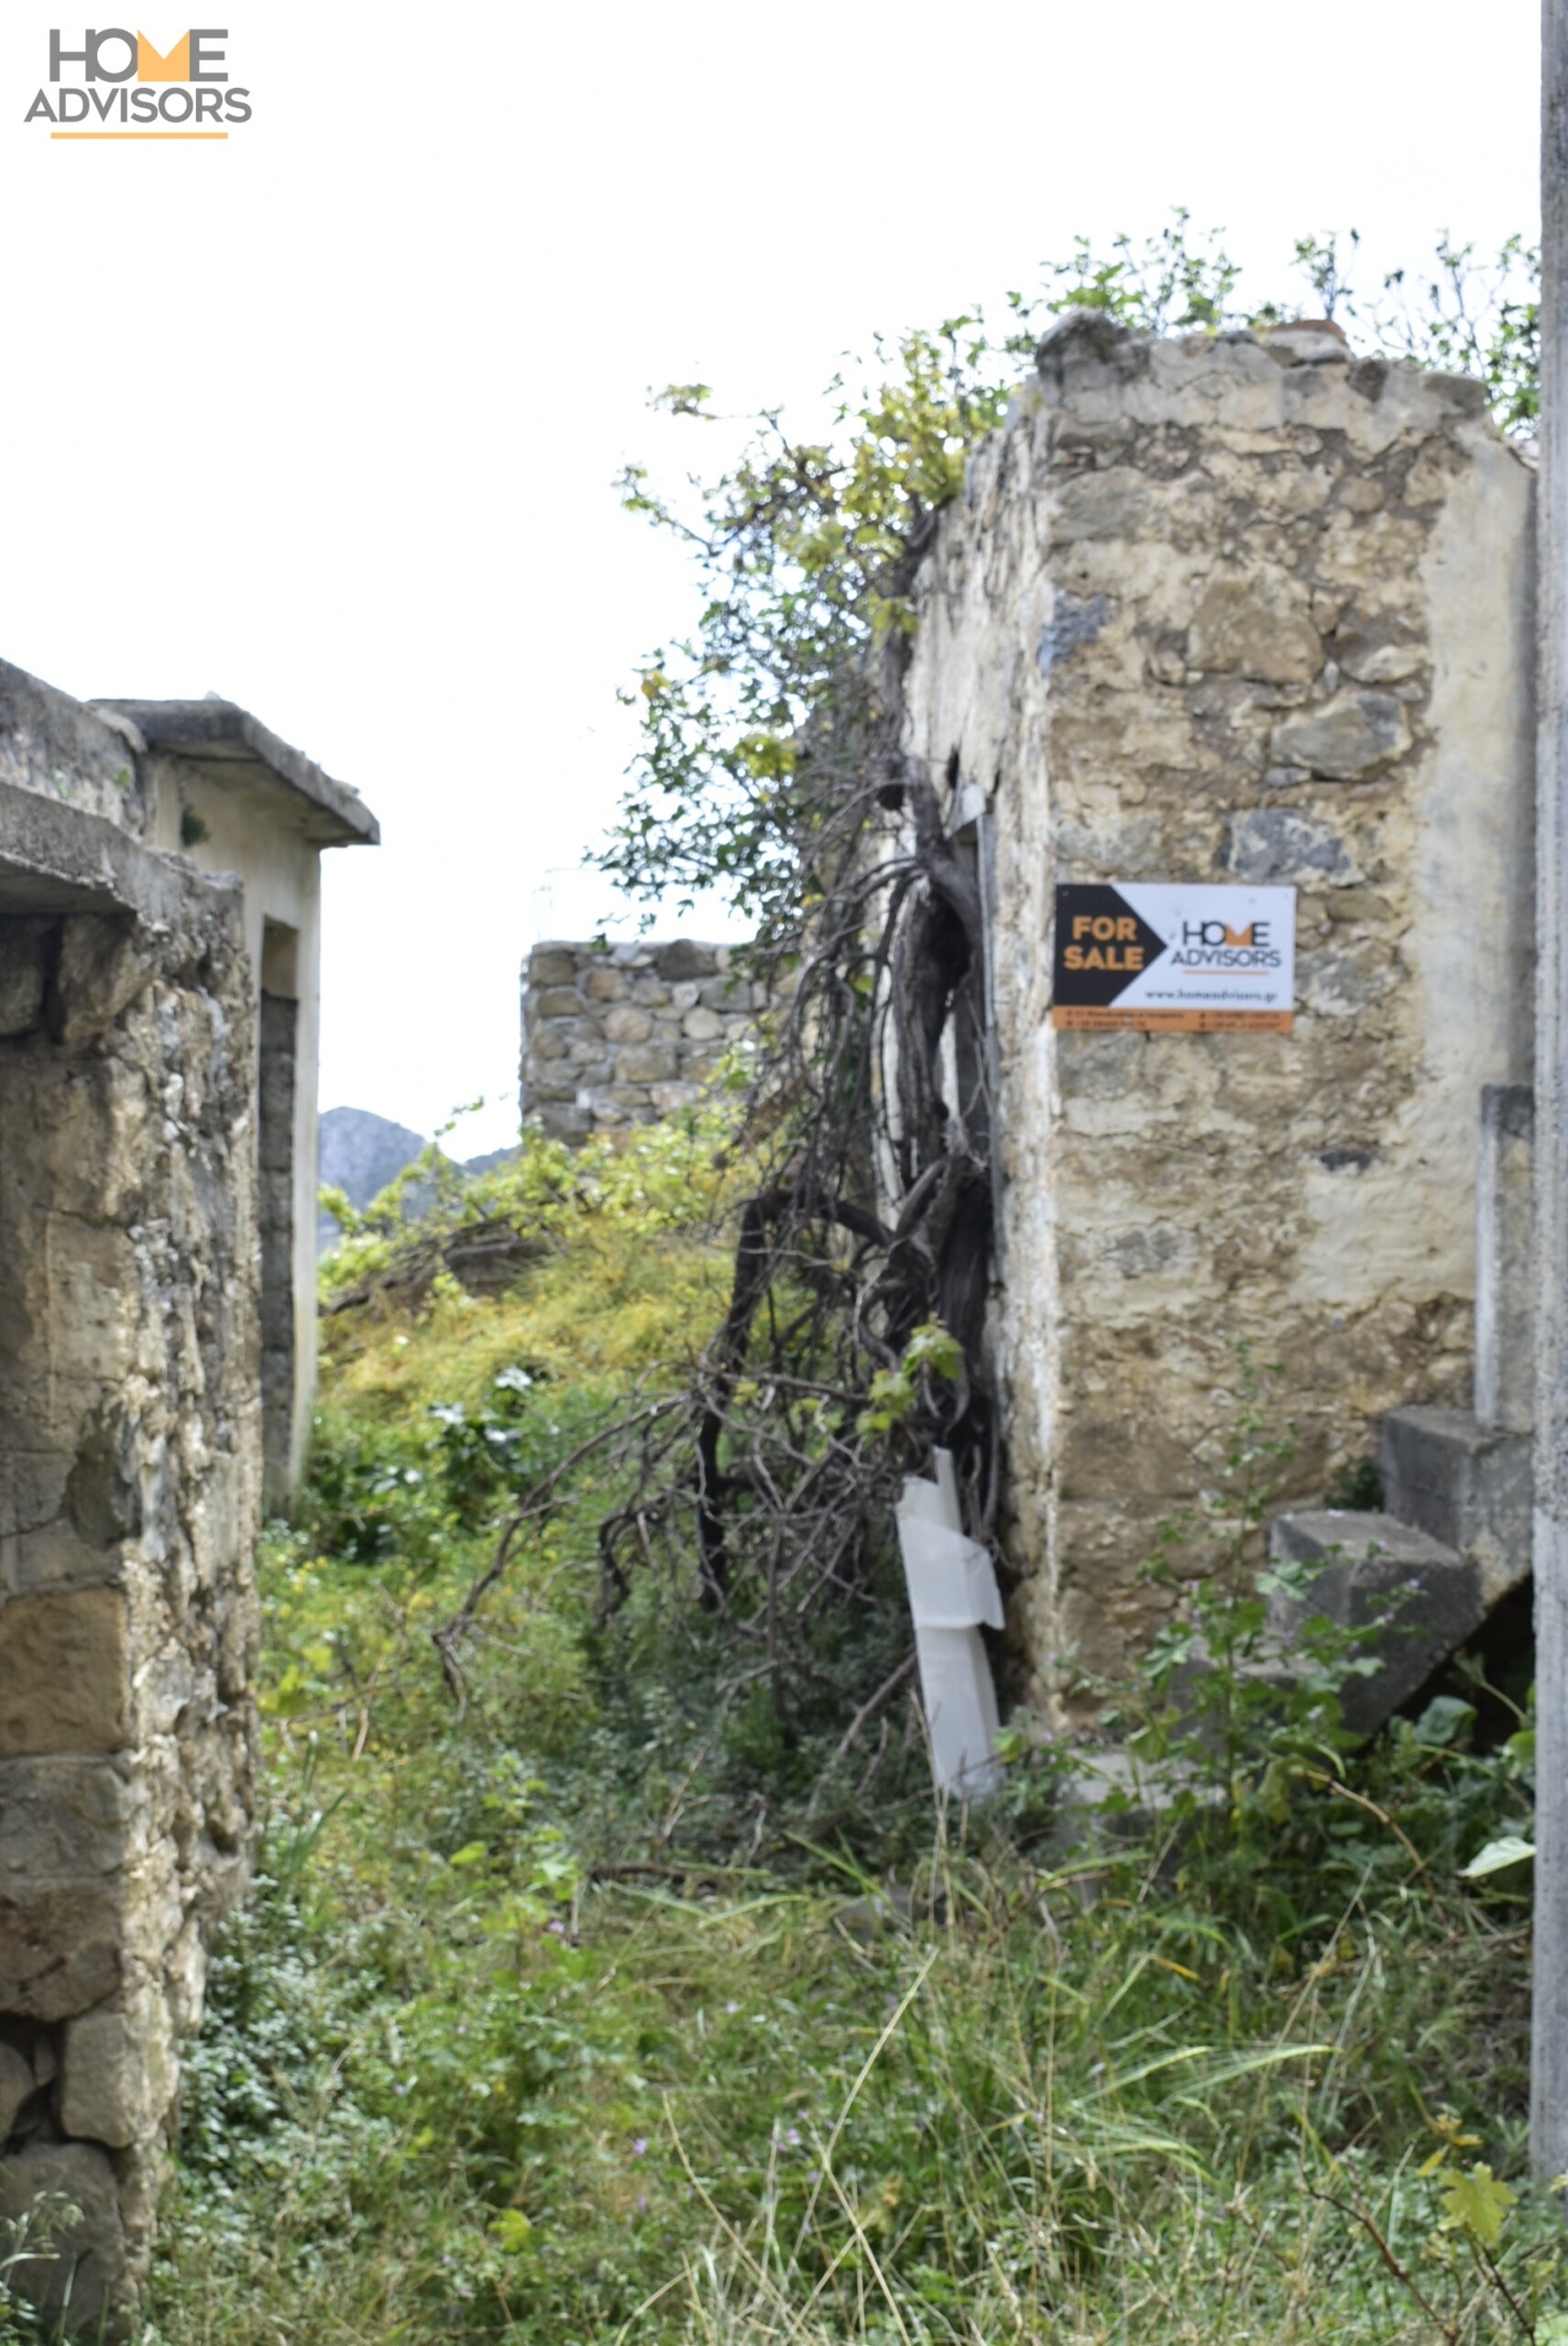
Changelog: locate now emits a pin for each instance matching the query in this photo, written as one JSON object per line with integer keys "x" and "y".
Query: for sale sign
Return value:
{"x": 1200, "y": 959}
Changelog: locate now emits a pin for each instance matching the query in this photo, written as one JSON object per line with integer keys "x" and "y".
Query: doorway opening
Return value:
{"x": 275, "y": 1202}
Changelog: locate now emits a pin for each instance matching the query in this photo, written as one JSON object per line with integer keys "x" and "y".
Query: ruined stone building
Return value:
{"x": 1242, "y": 611}
{"x": 159, "y": 957}
{"x": 1245, "y": 610}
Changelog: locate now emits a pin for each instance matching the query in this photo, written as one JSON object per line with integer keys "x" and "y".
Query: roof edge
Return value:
{"x": 220, "y": 729}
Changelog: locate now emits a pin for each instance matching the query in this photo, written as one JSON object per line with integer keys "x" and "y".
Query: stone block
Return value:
{"x": 1505, "y": 1259}
{"x": 649, "y": 992}
{"x": 671, "y": 1097}
{"x": 552, "y": 965}
{"x": 1467, "y": 1485}
{"x": 63, "y": 1673}
{"x": 118, "y": 2074}
{"x": 1346, "y": 739}
{"x": 558, "y": 1083}
{"x": 60, "y": 1948}
{"x": 1097, "y": 1461}
{"x": 54, "y": 1556}
{"x": 685, "y": 959}
{"x": 727, "y": 994}
{"x": 76, "y": 2282}
{"x": 1270, "y": 843}
{"x": 556, "y": 1002}
{"x": 702, "y": 1025}
{"x": 646, "y": 1063}
{"x": 91, "y": 1143}
{"x": 625, "y": 1023}
{"x": 1110, "y": 504}
{"x": 63, "y": 1818}
{"x": 102, "y": 966}
{"x": 1376, "y": 1569}
{"x": 1378, "y": 648}
{"x": 1258, "y": 626}
{"x": 95, "y": 1281}
{"x": 621, "y": 1103}
{"x": 605, "y": 984}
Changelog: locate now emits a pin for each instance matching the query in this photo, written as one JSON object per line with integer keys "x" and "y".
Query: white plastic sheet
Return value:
{"x": 952, "y": 1588}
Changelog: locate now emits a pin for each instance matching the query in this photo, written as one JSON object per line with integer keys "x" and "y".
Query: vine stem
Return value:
{"x": 1404, "y": 2278}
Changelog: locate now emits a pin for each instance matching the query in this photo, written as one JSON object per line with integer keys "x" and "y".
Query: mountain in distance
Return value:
{"x": 361, "y": 1152}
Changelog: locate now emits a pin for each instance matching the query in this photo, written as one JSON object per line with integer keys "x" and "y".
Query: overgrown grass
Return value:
{"x": 583, "y": 2012}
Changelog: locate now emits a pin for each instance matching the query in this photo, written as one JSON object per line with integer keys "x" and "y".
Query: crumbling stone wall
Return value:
{"x": 621, "y": 1034}
{"x": 1244, "y": 609}
{"x": 129, "y": 1466}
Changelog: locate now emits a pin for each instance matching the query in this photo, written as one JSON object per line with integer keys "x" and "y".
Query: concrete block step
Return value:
{"x": 1465, "y": 1483}
{"x": 1372, "y": 1568}
{"x": 1361, "y": 1570}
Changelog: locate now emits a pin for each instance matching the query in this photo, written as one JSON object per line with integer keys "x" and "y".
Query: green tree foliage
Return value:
{"x": 759, "y": 730}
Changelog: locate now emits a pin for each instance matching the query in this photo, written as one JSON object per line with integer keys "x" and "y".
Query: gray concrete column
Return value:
{"x": 1505, "y": 1259}
{"x": 1548, "y": 2058}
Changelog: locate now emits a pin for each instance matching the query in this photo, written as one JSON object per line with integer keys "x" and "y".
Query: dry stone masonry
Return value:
{"x": 623, "y": 1033}
{"x": 1234, "y": 609}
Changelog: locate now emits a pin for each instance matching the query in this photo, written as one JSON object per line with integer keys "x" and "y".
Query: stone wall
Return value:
{"x": 619, "y": 1035}
{"x": 129, "y": 1466}
{"x": 1243, "y": 609}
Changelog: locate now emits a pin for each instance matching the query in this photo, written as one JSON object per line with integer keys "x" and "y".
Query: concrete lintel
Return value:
{"x": 56, "y": 857}
{"x": 234, "y": 748}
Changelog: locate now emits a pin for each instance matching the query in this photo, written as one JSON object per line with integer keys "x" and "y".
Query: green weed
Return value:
{"x": 584, "y": 2009}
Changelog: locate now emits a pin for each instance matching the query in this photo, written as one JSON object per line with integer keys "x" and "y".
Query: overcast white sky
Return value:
{"x": 326, "y": 418}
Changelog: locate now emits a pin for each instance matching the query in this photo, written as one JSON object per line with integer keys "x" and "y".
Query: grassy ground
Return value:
{"x": 560, "y": 2016}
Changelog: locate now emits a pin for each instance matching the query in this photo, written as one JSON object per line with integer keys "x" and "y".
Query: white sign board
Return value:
{"x": 1198, "y": 959}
